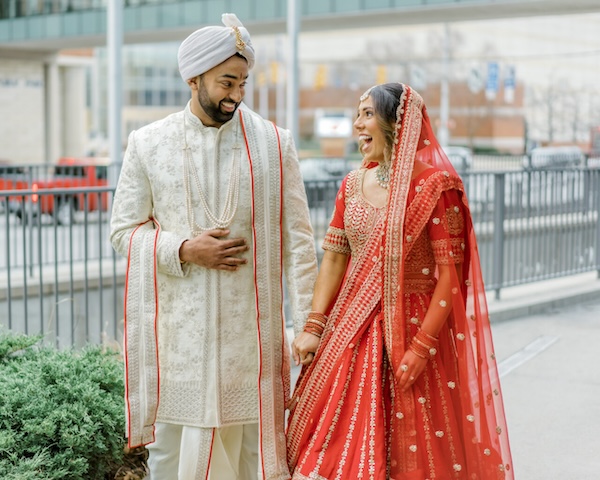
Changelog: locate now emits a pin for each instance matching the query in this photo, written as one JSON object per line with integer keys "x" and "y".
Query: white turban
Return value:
{"x": 209, "y": 46}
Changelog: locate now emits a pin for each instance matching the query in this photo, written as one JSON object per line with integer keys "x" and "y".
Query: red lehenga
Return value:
{"x": 348, "y": 419}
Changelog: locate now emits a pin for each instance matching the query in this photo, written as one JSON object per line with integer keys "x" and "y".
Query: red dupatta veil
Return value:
{"x": 482, "y": 420}
{"x": 481, "y": 396}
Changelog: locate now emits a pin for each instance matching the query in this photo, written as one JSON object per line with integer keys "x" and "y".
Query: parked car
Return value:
{"x": 460, "y": 157}
{"x": 326, "y": 168}
{"x": 12, "y": 177}
{"x": 68, "y": 173}
{"x": 548, "y": 157}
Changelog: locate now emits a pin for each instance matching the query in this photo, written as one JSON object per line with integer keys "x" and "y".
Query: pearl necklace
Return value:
{"x": 382, "y": 175}
{"x": 233, "y": 190}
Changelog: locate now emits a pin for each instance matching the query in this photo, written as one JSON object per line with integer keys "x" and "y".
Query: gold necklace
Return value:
{"x": 233, "y": 190}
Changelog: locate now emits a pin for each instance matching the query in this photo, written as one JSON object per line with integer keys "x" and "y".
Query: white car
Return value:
{"x": 460, "y": 157}
{"x": 564, "y": 156}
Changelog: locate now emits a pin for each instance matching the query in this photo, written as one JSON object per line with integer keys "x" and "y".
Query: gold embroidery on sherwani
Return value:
{"x": 206, "y": 395}
{"x": 267, "y": 267}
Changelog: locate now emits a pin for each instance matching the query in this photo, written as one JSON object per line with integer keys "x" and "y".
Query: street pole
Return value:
{"x": 54, "y": 100}
{"x": 293, "y": 27}
{"x": 263, "y": 99}
{"x": 280, "y": 112}
{"x": 114, "y": 43}
{"x": 249, "y": 97}
{"x": 443, "y": 133}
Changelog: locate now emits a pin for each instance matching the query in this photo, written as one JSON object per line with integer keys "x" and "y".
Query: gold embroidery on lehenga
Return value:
{"x": 360, "y": 219}
{"x": 455, "y": 220}
{"x": 447, "y": 251}
{"x": 336, "y": 241}
{"x": 355, "y": 411}
{"x": 375, "y": 363}
{"x": 419, "y": 424}
{"x": 428, "y": 420}
{"x": 445, "y": 399}
{"x": 323, "y": 416}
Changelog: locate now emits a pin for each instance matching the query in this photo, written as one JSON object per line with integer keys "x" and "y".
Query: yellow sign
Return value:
{"x": 381, "y": 74}
{"x": 321, "y": 77}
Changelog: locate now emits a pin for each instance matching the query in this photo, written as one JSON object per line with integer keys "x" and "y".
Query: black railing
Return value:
{"x": 60, "y": 276}
{"x": 531, "y": 225}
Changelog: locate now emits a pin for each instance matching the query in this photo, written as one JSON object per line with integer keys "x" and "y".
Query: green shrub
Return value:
{"x": 61, "y": 412}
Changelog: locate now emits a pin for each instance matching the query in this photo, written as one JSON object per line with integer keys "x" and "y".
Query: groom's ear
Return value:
{"x": 194, "y": 82}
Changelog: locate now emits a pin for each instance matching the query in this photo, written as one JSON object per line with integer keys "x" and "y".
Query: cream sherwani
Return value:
{"x": 207, "y": 348}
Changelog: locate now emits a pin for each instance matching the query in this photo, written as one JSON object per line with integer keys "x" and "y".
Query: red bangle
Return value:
{"x": 315, "y": 323}
{"x": 424, "y": 345}
{"x": 321, "y": 317}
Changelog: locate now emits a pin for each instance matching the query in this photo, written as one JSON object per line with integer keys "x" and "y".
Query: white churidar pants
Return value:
{"x": 184, "y": 453}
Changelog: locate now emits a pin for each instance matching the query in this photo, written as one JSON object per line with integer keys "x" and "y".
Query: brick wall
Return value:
{"x": 475, "y": 121}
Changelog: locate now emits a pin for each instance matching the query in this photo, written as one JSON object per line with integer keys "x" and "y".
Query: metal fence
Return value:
{"x": 59, "y": 276}
{"x": 531, "y": 225}
{"x": 535, "y": 225}
{"x": 60, "y": 279}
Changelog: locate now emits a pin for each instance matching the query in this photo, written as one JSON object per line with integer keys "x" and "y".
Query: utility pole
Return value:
{"x": 293, "y": 27}
{"x": 277, "y": 77}
{"x": 443, "y": 135}
{"x": 114, "y": 43}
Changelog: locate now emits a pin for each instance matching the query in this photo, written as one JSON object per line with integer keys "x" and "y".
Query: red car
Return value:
{"x": 68, "y": 173}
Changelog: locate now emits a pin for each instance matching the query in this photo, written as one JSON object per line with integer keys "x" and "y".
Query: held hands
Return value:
{"x": 410, "y": 368}
{"x": 210, "y": 251}
{"x": 304, "y": 347}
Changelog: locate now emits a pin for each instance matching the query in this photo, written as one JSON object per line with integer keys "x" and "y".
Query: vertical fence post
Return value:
{"x": 498, "y": 242}
{"x": 8, "y": 258}
{"x": 596, "y": 182}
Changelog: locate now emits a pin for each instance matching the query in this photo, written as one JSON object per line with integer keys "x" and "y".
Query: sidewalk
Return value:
{"x": 544, "y": 296}
{"x": 550, "y": 381}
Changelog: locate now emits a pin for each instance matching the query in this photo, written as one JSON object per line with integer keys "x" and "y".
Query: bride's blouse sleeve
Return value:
{"x": 335, "y": 238}
{"x": 447, "y": 229}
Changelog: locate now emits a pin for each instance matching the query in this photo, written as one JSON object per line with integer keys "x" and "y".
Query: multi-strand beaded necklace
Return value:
{"x": 233, "y": 190}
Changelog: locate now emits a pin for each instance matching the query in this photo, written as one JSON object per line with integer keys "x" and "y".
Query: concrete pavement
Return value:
{"x": 544, "y": 296}
{"x": 546, "y": 340}
{"x": 551, "y": 386}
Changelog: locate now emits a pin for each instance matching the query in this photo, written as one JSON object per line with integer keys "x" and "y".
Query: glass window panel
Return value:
{"x": 347, "y": 5}
{"x": 313, "y": 7}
